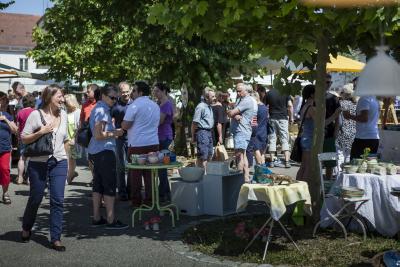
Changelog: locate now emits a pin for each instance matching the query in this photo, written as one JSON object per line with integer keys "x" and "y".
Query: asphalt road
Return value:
{"x": 86, "y": 246}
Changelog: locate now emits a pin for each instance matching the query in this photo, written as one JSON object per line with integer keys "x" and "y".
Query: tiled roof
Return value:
{"x": 16, "y": 29}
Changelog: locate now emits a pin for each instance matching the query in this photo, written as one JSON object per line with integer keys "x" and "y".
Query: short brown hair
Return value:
{"x": 28, "y": 101}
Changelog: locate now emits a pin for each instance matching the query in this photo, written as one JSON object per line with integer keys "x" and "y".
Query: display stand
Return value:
{"x": 154, "y": 190}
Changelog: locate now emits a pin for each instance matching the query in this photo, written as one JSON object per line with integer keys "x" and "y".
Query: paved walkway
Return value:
{"x": 86, "y": 246}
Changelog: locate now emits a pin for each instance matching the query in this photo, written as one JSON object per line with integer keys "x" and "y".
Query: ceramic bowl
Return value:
{"x": 357, "y": 162}
{"x": 350, "y": 169}
{"x": 362, "y": 169}
{"x": 134, "y": 158}
{"x": 141, "y": 160}
{"x": 153, "y": 159}
{"x": 191, "y": 174}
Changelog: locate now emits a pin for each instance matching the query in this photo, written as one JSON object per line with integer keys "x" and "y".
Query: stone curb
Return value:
{"x": 181, "y": 248}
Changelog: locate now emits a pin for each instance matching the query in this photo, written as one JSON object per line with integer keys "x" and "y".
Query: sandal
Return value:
{"x": 6, "y": 199}
{"x": 19, "y": 180}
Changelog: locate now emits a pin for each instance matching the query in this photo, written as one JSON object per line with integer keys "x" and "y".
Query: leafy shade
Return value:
{"x": 112, "y": 40}
{"x": 5, "y": 5}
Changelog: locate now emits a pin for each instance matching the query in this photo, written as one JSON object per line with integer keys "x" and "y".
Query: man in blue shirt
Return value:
{"x": 241, "y": 117}
{"x": 203, "y": 122}
{"x": 117, "y": 113}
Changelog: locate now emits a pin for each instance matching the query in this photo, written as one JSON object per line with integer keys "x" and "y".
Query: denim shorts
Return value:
{"x": 21, "y": 148}
{"x": 306, "y": 143}
{"x": 241, "y": 140}
{"x": 204, "y": 144}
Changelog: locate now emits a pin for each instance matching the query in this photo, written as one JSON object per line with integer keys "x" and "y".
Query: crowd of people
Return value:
{"x": 351, "y": 126}
{"x": 127, "y": 119}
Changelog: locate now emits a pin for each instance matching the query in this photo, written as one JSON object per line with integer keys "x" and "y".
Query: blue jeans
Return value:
{"x": 121, "y": 154}
{"x": 56, "y": 172}
{"x": 163, "y": 187}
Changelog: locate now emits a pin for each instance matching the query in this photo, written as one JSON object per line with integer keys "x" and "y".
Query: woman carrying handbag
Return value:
{"x": 45, "y": 134}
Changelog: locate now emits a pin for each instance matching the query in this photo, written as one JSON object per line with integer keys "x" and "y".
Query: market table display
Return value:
{"x": 277, "y": 197}
{"x": 383, "y": 209}
{"x": 154, "y": 190}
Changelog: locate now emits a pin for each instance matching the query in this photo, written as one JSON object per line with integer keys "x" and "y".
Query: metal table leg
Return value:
{"x": 166, "y": 207}
{"x": 257, "y": 234}
{"x": 155, "y": 202}
{"x": 145, "y": 207}
{"x": 268, "y": 239}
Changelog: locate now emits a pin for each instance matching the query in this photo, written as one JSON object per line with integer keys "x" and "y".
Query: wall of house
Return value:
{"x": 12, "y": 58}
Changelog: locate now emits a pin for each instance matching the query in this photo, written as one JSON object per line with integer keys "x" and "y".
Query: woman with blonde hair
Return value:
{"x": 46, "y": 166}
{"x": 73, "y": 152}
{"x": 347, "y": 131}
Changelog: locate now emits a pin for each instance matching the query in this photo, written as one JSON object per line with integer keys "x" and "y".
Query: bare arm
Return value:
{"x": 362, "y": 117}
{"x": 334, "y": 117}
{"x": 162, "y": 118}
{"x": 219, "y": 130}
{"x": 10, "y": 124}
{"x": 126, "y": 125}
{"x": 290, "y": 110}
{"x": 232, "y": 113}
{"x": 101, "y": 134}
{"x": 30, "y": 138}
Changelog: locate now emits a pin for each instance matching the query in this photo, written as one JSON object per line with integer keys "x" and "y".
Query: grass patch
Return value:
{"x": 227, "y": 239}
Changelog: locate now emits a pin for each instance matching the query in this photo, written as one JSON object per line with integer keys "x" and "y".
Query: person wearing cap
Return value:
{"x": 347, "y": 130}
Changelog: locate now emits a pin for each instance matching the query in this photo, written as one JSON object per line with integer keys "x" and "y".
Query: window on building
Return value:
{"x": 23, "y": 64}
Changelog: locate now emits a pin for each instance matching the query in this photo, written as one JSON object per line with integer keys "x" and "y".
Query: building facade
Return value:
{"x": 15, "y": 42}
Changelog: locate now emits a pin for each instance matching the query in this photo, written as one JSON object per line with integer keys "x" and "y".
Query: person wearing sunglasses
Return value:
{"x": 332, "y": 129}
{"x": 101, "y": 151}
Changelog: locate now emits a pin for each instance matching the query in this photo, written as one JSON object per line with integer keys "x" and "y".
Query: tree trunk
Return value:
{"x": 320, "y": 90}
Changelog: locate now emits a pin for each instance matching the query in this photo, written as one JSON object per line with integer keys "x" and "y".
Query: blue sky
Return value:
{"x": 34, "y": 7}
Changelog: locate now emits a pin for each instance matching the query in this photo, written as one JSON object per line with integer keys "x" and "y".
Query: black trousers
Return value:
{"x": 358, "y": 146}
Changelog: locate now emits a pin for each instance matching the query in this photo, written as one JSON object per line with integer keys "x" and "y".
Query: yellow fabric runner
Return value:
{"x": 277, "y": 196}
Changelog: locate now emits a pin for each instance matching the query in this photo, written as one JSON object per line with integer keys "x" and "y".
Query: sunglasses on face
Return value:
{"x": 113, "y": 98}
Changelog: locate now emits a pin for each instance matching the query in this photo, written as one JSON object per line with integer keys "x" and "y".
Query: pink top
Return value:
{"x": 22, "y": 116}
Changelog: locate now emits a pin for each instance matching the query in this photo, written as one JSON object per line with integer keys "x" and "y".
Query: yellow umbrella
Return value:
{"x": 344, "y": 64}
{"x": 340, "y": 64}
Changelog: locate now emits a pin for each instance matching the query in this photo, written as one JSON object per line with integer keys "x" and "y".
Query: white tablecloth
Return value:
{"x": 382, "y": 210}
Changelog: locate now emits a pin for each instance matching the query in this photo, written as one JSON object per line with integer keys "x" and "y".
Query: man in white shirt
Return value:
{"x": 367, "y": 133}
{"x": 141, "y": 120}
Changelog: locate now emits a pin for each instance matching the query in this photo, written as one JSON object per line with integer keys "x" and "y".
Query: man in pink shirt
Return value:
{"x": 28, "y": 103}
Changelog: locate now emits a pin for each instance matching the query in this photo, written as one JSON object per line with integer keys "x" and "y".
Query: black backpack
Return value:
{"x": 84, "y": 135}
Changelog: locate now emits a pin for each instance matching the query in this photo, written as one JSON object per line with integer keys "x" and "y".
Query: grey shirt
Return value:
{"x": 203, "y": 116}
{"x": 247, "y": 110}
{"x": 33, "y": 124}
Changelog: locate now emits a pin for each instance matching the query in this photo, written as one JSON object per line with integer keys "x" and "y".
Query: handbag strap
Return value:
{"x": 302, "y": 121}
{"x": 41, "y": 117}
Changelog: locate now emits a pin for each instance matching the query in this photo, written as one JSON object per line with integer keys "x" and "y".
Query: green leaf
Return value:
{"x": 202, "y": 7}
{"x": 259, "y": 12}
{"x": 186, "y": 20}
{"x": 286, "y": 8}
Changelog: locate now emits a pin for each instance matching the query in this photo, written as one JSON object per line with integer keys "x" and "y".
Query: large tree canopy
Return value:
{"x": 278, "y": 28}
{"x": 111, "y": 40}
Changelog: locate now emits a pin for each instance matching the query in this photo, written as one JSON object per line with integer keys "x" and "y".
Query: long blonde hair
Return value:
{"x": 70, "y": 101}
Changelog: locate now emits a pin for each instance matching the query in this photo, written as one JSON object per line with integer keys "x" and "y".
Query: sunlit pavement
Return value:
{"x": 86, "y": 246}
